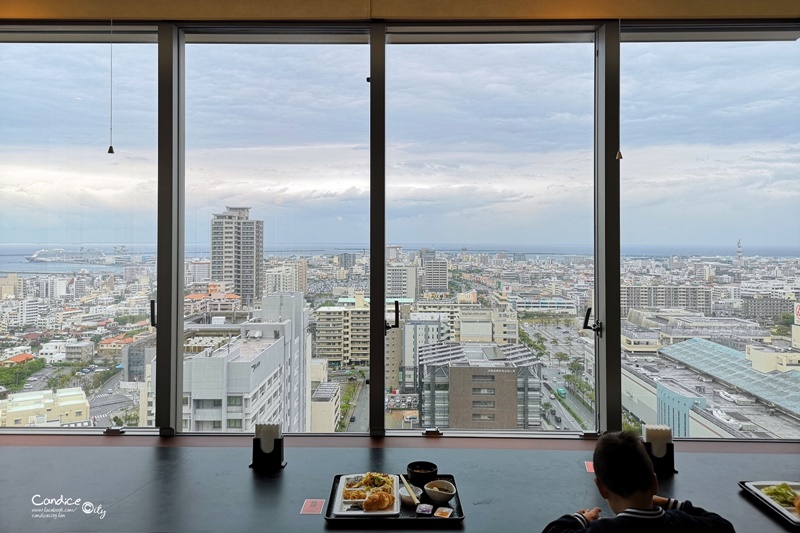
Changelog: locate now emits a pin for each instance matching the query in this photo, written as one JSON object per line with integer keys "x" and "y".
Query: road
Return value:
{"x": 566, "y": 341}
{"x": 102, "y": 405}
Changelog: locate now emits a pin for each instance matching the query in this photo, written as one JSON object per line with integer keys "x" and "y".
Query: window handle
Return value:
{"x": 153, "y": 313}
{"x": 396, "y": 318}
{"x": 596, "y": 326}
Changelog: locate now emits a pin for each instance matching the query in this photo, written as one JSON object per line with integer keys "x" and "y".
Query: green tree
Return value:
{"x": 575, "y": 367}
{"x": 561, "y": 357}
{"x": 132, "y": 417}
{"x": 786, "y": 319}
{"x": 130, "y": 319}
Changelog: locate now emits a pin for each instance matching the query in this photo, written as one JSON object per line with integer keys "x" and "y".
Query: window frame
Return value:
{"x": 607, "y": 35}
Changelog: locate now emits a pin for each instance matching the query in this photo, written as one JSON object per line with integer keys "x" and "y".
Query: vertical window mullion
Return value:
{"x": 169, "y": 343}
{"x": 377, "y": 77}
{"x": 607, "y": 225}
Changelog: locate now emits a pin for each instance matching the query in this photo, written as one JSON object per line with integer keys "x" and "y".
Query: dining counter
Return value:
{"x": 203, "y": 484}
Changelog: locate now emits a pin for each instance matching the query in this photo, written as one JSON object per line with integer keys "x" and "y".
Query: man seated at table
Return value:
{"x": 626, "y": 480}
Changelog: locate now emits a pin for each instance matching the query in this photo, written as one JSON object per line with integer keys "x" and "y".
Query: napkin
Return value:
{"x": 268, "y": 433}
{"x": 658, "y": 436}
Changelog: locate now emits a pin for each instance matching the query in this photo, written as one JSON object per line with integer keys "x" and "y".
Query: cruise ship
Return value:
{"x": 59, "y": 255}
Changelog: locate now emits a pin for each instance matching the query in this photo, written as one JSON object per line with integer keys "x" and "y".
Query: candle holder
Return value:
{"x": 663, "y": 466}
{"x": 268, "y": 462}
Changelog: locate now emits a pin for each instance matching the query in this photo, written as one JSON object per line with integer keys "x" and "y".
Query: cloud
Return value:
{"x": 486, "y": 144}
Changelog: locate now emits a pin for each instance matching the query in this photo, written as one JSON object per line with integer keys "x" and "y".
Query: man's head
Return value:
{"x": 622, "y": 465}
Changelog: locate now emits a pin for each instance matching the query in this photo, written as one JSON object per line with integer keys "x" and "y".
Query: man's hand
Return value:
{"x": 660, "y": 501}
{"x": 590, "y": 514}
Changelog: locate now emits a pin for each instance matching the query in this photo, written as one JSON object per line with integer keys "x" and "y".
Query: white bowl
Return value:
{"x": 406, "y": 498}
{"x": 440, "y": 491}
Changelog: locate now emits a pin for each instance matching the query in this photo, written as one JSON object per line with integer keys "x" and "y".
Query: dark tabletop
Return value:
{"x": 211, "y": 489}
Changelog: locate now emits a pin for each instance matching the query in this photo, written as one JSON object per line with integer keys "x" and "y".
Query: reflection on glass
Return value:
{"x": 489, "y": 233}
{"x": 277, "y": 238}
{"x": 77, "y": 234}
{"x": 709, "y": 272}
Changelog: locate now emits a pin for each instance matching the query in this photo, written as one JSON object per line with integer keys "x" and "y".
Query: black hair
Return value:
{"x": 622, "y": 464}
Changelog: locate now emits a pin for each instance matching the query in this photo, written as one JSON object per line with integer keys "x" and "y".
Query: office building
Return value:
{"x": 346, "y": 260}
{"x": 480, "y": 386}
{"x": 237, "y": 252}
{"x": 259, "y": 377}
{"x": 136, "y": 355}
{"x": 436, "y": 275}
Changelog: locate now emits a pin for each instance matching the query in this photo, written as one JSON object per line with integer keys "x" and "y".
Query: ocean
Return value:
{"x": 12, "y": 256}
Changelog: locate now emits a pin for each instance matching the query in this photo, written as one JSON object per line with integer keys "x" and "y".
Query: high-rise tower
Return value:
{"x": 237, "y": 252}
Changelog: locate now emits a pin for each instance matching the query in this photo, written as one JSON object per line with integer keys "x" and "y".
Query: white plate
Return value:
{"x": 789, "y": 513}
{"x": 341, "y": 507}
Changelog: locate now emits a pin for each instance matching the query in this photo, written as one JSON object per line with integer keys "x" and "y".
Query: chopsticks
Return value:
{"x": 408, "y": 488}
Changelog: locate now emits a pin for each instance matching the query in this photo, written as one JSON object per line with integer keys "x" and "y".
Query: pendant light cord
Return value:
{"x": 111, "y": 88}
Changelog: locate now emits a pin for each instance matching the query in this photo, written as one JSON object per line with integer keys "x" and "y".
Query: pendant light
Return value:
{"x": 111, "y": 91}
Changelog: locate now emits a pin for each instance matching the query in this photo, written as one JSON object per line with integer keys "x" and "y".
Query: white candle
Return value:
{"x": 658, "y": 436}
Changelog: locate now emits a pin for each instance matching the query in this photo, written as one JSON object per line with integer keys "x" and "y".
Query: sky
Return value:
{"x": 487, "y": 145}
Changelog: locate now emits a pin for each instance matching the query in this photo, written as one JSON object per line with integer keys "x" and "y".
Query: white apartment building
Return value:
{"x": 44, "y": 408}
{"x": 291, "y": 276}
{"x": 53, "y": 351}
{"x": 237, "y": 252}
{"x": 525, "y": 304}
{"x": 401, "y": 281}
{"x": 28, "y": 312}
{"x": 393, "y": 252}
{"x": 693, "y": 298}
{"x": 196, "y": 271}
{"x": 52, "y": 288}
{"x": 342, "y": 333}
{"x": 447, "y": 307}
{"x": 487, "y": 325}
{"x": 326, "y": 405}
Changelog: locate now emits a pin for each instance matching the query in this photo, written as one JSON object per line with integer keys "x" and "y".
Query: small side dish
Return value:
{"x": 440, "y": 491}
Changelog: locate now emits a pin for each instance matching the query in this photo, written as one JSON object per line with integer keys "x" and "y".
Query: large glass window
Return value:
{"x": 710, "y": 187}
{"x": 277, "y": 234}
{"x": 489, "y": 255}
{"x": 489, "y": 232}
{"x": 77, "y": 230}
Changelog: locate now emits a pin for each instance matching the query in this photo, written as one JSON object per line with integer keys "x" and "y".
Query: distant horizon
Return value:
{"x": 724, "y": 250}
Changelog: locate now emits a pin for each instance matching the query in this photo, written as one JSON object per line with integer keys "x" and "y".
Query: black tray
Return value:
{"x": 407, "y": 519}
